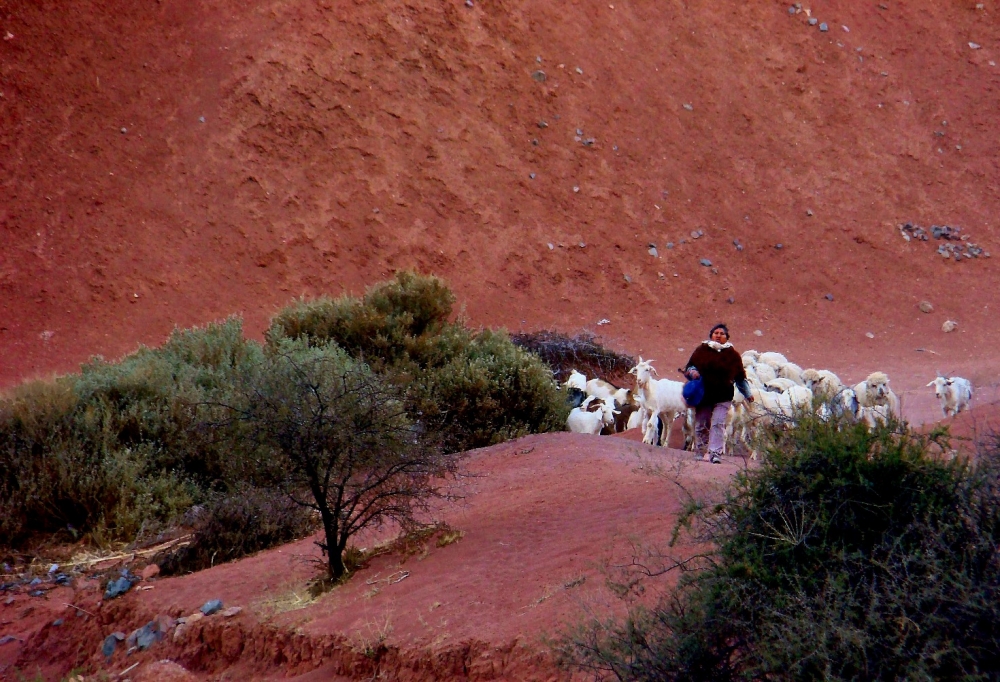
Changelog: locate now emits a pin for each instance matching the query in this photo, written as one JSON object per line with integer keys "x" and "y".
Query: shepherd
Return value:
{"x": 719, "y": 367}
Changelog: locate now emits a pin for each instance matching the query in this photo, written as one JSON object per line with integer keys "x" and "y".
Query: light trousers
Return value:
{"x": 710, "y": 428}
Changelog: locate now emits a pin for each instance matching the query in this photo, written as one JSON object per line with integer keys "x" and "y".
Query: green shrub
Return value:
{"x": 236, "y": 524}
{"x": 491, "y": 391}
{"x": 115, "y": 451}
{"x": 398, "y": 322}
{"x": 470, "y": 388}
{"x": 845, "y": 556}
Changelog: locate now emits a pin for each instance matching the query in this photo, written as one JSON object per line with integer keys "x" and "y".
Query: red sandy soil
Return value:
{"x": 544, "y": 517}
{"x": 342, "y": 141}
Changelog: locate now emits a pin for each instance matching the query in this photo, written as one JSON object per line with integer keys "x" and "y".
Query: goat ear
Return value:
{"x": 931, "y": 384}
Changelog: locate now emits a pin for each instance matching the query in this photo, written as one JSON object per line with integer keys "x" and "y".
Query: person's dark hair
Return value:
{"x": 721, "y": 326}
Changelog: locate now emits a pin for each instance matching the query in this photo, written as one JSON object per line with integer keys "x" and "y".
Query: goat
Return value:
{"x": 581, "y": 420}
{"x": 661, "y": 398}
{"x": 954, "y": 394}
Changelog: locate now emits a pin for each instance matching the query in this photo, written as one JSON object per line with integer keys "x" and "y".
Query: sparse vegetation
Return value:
{"x": 582, "y": 352}
{"x": 846, "y": 555}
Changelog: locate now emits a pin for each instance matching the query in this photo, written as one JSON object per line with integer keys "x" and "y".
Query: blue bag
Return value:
{"x": 693, "y": 392}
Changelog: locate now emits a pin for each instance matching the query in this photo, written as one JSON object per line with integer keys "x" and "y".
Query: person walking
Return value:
{"x": 719, "y": 367}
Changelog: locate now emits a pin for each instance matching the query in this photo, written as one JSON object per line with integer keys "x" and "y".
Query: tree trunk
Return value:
{"x": 335, "y": 555}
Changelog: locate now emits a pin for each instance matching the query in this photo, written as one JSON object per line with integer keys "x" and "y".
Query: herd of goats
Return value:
{"x": 781, "y": 390}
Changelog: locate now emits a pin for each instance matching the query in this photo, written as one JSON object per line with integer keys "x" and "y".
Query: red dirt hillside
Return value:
{"x": 341, "y": 141}
{"x": 170, "y": 163}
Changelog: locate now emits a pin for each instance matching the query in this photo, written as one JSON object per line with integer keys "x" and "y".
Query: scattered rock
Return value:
{"x": 124, "y": 130}
{"x": 653, "y": 252}
{"x": 695, "y": 234}
{"x": 779, "y": 246}
{"x": 869, "y": 335}
{"x": 539, "y": 76}
{"x": 579, "y": 70}
{"x": 730, "y": 300}
{"x": 975, "y": 46}
{"x": 949, "y": 326}
{"x": 531, "y": 175}
{"x": 823, "y": 27}
{"x": 829, "y": 297}
{"x": 576, "y": 189}
{"x": 813, "y": 21}
{"x": 543, "y": 124}
{"x": 809, "y": 212}
{"x": 57, "y": 622}
{"x": 231, "y": 611}
{"x": 551, "y": 246}
{"x": 582, "y": 244}
{"x": 201, "y": 119}
{"x": 7, "y": 639}
{"x": 846, "y": 30}
{"x": 926, "y": 307}
{"x": 108, "y": 647}
{"x": 628, "y": 279}
{"x": 707, "y": 263}
{"x": 117, "y": 588}
{"x": 670, "y": 245}
{"x": 757, "y": 332}
{"x": 739, "y": 247}
{"x": 688, "y": 107}
{"x": 211, "y": 607}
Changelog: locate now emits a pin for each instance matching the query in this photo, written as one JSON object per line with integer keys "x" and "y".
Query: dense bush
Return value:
{"x": 471, "y": 388}
{"x": 401, "y": 322}
{"x": 115, "y": 451}
{"x": 845, "y": 556}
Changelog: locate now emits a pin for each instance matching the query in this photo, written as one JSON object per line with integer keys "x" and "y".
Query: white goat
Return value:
{"x": 954, "y": 394}
{"x": 875, "y": 391}
{"x": 662, "y": 399}
{"x": 581, "y": 420}
{"x": 605, "y": 390}
{"x": 576, "y": 380}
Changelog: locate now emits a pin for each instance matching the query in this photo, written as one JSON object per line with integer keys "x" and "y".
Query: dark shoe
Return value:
{"x": 716, "y": 459}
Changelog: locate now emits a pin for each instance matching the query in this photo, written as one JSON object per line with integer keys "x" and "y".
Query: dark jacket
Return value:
{"x": 720, "y": 370}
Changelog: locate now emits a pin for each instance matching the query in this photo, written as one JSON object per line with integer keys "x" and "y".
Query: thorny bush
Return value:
{"x": 847, "y": 555}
